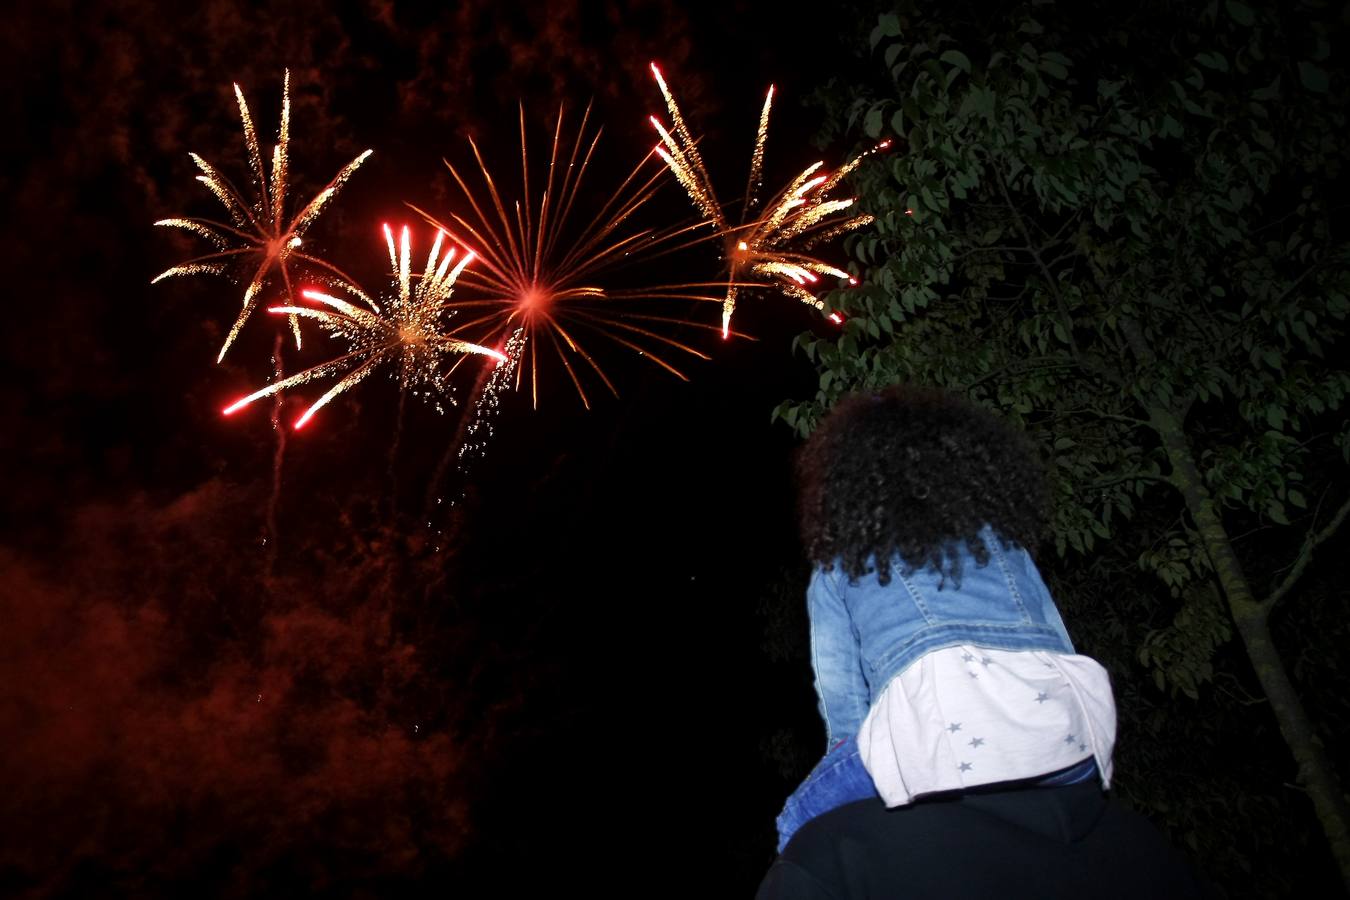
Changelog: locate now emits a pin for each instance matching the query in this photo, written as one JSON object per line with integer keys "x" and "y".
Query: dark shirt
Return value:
{"x": 1042, "y": 843}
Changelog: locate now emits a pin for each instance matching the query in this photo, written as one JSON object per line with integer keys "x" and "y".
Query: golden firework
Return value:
{"x": 410, "y": 335}
{"x": 768, "y": 248}
{"x": 259, "y": 236}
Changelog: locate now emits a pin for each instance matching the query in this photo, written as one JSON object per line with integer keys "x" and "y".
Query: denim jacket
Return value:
{"x": 864, "y": 633}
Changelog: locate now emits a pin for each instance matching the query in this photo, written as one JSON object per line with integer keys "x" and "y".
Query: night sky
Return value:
{"x": 597, "y": 680}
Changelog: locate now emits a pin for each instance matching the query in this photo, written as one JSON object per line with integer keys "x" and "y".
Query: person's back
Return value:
{"x": 1022, "y": 842}
{"x": 968, "y": 745}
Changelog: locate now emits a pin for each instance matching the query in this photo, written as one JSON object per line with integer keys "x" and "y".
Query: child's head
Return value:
{"x": 913, "y": 471}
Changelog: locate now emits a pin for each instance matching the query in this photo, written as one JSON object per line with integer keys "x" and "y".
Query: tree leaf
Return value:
{"x": 888, "y": 25}
{"x": 1053, "y": 68}
{"x": 872, "y": 122}
{"x": 1313, "y": 77}
{"x": 1213, "y": 61}
{"x": 1241, "y": 13}
{"x": 956, "y": 58}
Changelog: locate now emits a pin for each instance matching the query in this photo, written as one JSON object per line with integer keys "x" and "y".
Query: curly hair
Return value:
{"x": 913, "y": 472}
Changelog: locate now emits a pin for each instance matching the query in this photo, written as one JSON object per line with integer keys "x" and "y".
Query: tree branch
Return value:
{"x": 1069, "y": 223}
{"x": 1052, "y": 283}
{"x": 992, "y": 248}
{"x": 1071, "y": 253}
{"x": 1109, "y": 417}
{"x": 1035, "y": 364}
{"x": 1297, "y": 282}
{"x": 1238, "y": 693}
{"x": 1310, "y": 543}
{"x": 1131, "y": 476}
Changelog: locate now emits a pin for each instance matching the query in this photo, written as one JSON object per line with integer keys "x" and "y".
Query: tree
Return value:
{"x": 1121, "y": 232}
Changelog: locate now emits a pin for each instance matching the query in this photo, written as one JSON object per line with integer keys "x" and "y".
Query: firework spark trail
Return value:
{"x": 768, "y": 249}
{"x": 475, "y": 437}
{"x": 393, "y": 451}
{"x": 539, "y": 277}
{"x": 270, "y": 536}
{"x": 475, "y": 430}
{"x": 756, "y": 179}
{"x": 259, "y": 236}
{"x": 410, "y": 336}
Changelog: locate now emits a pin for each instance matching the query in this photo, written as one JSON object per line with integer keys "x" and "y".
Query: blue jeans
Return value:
{"x": 837, "y": 779}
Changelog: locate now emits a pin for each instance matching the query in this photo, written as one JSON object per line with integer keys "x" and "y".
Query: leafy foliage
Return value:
{"x": 1045, "y": 216}
{"x": 1105, "y": 223}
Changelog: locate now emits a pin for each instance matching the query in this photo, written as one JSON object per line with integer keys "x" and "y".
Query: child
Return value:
{"x": 941, "y": 662}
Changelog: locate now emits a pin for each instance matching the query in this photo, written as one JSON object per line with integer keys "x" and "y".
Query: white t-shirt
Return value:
{"x": 965, "y": 716}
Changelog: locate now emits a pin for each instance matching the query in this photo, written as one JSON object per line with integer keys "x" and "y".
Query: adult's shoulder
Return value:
{"x": 1041, "y": 843}
{"x": 859, "y": 848}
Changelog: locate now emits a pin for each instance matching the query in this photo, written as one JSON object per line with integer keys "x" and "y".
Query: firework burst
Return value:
{"x": 540, "y": 276}
{"x": 410, "y": 336}
{"x": 259, "y": 240}
{"x": 768, "y": 247}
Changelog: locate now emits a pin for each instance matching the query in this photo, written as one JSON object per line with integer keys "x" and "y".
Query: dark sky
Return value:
{"x": 596, "y": 682}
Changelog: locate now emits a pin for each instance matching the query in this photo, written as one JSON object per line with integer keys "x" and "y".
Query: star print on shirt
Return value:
{"x": 1042, "y": 697}
{"x": 976, "y": 742}
{"x": 986, "y": 661}
{"x": 1071, "y": 739}
{"x": 966, "y": 767}
{"x": 954, "y": 727}
{"x": 966, "y": 657}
